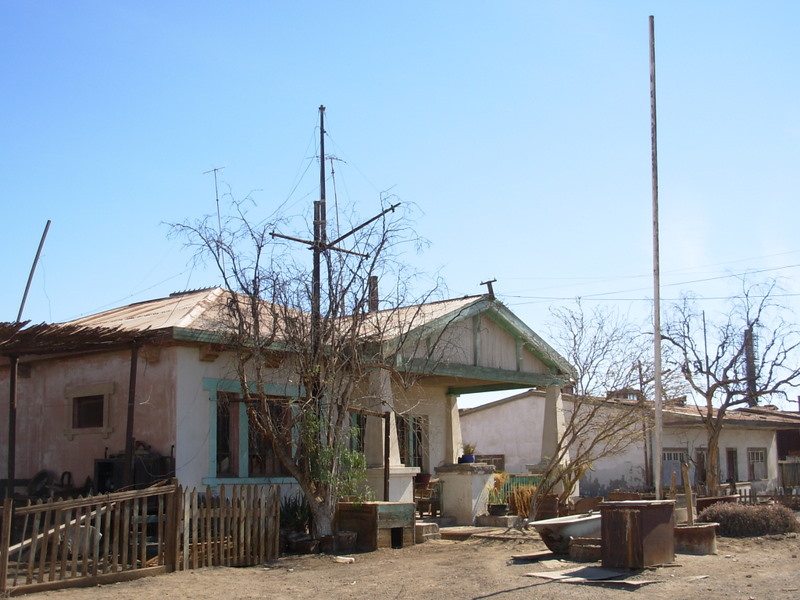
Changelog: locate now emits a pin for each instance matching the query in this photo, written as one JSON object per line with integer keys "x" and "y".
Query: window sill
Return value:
{"x": 103, "y": 431}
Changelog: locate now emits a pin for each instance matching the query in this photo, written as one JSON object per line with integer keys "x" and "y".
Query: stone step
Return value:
{"x": 440, "y": 521}
{"x": 426, "y": 531}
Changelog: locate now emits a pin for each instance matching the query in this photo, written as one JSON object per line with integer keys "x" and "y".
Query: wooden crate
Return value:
{"x": 378, "y": 524}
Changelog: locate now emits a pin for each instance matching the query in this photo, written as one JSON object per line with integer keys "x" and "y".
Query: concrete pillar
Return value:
{"x": 553, "y": 426}
{"x": 453, "y": 435}
{"x": 380, "y": 389}
{"x": 465, "y": 490}
{"x": 552, "y": 432}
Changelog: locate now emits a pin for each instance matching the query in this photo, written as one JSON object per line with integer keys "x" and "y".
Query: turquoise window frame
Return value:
{"x": 215, "y": 386}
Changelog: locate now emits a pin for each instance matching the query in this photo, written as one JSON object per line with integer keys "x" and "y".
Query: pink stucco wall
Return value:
{"x": 43, "y": 419}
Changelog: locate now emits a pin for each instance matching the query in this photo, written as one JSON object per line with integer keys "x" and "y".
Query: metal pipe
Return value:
{"x": 33, "y": 268}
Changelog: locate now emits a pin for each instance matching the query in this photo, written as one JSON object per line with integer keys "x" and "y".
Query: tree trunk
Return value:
{"x": 712, "y": 468}
{"x": 322, "y": 516}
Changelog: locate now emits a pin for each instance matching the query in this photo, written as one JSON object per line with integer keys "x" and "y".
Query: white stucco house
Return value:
{"x": 753, "y": 443}
{"x": 146, "y": 380}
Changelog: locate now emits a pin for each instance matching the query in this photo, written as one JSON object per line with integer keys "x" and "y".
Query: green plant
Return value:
{"x": 742, "y": 520}
{"x": 469, "y": 448}
{"x": 497, "y": 492}
{"x": 295, "y": 513}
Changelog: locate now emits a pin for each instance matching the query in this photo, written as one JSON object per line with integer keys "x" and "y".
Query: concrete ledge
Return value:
{"x": 466, "y": 469}
{"x": 507, "y": 521}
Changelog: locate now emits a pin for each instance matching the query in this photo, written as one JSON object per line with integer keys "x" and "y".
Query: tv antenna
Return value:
{"x": 215, "y": 170}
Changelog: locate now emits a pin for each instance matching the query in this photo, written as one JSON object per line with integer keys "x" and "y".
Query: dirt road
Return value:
{"x": 480, "y": 569}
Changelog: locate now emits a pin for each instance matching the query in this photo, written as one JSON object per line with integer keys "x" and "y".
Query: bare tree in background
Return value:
{"x": 344, "y": 366}
{"x": 609, "y": 356}
{"x": 747, "y": 356}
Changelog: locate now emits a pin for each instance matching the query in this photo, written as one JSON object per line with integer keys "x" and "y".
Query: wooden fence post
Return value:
{"x": 171, "y": 530}
{"x": 5, "y": 540}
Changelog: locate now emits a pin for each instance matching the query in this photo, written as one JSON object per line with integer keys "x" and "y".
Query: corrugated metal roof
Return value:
{"x": 201, "y": 309}
{"x": 193, "y": 310}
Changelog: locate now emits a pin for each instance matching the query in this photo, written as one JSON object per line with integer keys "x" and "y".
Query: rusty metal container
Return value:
{"x": 637, "y": 533}
{"x": 700, "y": 538}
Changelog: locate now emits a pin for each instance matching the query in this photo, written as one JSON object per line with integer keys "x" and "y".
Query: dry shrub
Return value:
{"x": 742, "y": 520}
{"x": 520, "y": 498}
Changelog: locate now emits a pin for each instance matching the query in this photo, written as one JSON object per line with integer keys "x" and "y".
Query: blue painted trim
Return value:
{"x": 244, "y": 441}
{"x": 212, "y": 438}
{"x": 213, "y": 386}
{"x": 272, "y": 389}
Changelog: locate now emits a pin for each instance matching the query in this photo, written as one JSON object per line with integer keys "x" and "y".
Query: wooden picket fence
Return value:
{"x": 126, "y": 535}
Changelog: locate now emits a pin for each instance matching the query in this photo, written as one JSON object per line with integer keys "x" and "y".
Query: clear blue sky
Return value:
{"x": 520, "y": 131}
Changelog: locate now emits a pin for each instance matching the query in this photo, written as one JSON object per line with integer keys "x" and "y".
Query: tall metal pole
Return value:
{"x": 658, "y": 442}
{"x": 319, "y": 242}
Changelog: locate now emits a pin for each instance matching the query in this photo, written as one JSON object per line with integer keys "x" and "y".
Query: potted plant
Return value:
{"x": 497, "y": 504}
{"x": 469, "y": 454}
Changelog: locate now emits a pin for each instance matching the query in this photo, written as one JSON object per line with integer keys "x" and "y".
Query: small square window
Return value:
{"x": 87, "y": 411}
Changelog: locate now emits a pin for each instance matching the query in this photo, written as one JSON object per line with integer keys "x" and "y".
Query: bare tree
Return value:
{"x": 336, "y": 350}
{"x": 607, "y": 353}
{"x": 752, "y": 357}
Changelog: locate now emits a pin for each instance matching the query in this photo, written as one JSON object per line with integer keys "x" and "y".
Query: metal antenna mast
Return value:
{"x": 219, "y": 218}
{"x": 320, "y": 243}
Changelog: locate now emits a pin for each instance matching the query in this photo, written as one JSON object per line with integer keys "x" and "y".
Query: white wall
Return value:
{"x": 509, "y": 427}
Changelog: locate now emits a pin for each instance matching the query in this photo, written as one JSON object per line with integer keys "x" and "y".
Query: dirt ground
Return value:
{"x": 478, "y": 568}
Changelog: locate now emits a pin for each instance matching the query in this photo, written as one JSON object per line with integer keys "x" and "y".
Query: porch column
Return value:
{"x": 380, "y": 389}
{"x": 552, "y": 431}
{"x": 453, "y": 439}
{"x": 553, "y": 426}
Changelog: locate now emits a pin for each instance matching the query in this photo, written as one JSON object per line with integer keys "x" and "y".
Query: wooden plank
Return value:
{"x": 98, "y": 526}
{"x": 186, "y": 498}
{"x": 248, "y": 525}
{"x": 134, "y": 529}
{"x": 235, "y": 525}
{"x": 89, "y": 581}
{"x": 35, "y": 535}
{"x": 193, "y": 513}
{"x": 47, "y": 541}
{"x": 171, "y": 529}
{"x": 5, "y": 540}
{"x": 103, "y": 498}
{"x": 261, "y": 515}
{"x": 107, "y": 539}
{"x": 57, "y": 518}
{"x": 62, "y": 574}
{"x": 126, "y": 531}
{"x": 160, "y": 547}
{"x": 117, "y": 550}
{"x": 222, "y": 531}
{"x": 85, "y": 538}
{"x": 207, "y": 512}
{"x": 143, "y": 542}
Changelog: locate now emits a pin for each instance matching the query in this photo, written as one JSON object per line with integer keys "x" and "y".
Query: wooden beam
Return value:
{"x": 127, "y": 473}
{"x": 491, "y": 376}
{"x": 12, "y": 426}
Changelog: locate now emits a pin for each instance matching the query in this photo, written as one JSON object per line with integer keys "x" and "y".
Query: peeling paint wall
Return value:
{"x": 44, "y": 436}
